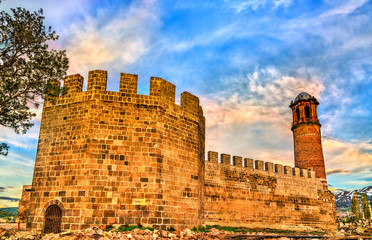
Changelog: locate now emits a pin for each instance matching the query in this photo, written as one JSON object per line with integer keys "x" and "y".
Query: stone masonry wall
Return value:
{"x": 119, "y": 157}
{"x": 264, "y": 195}
{"x": 24, "y": 204}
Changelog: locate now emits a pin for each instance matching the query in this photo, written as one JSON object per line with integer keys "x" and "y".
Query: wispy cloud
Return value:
{"x": 54, "y": 13}
{"x": 10, "y": 199}
{"x": 359, "y": 183}
{"x": 26, "y": 141}
{"x": 18, "y": 159}
{"x": 343, "y": 9}
{"x": 215, "y": 37}
{"x": 337, "y": 171}
{"x": 366, "y": 170}
{"x": 16, "y": 143}
{"x": 120, "y": 41}
{"x": 241, "y": 5}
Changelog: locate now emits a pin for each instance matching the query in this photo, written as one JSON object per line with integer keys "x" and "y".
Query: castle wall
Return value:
{"x": 264, "y": 195}
{"x": 122, "y": 158}
{"x": 24, "y": 204}
{"x": 119, "y": 157}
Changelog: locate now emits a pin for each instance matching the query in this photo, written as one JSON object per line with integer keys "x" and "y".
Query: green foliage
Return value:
{"x": 171, "y": 229}
{"x": 10, "y": 209}
{"x": 365, "y": 206}
{"x": 228, "y": 229}
{"x": 10, "y": 219}
{"x": 7, "y": 214}
{"x": 108, "y": 228}
{"x": 355, "y": 207}
{"x": 347, "y": 220}
{"x": 4, "y": 149}
{"x": 245, "y": 230}
{"x": 26, "y": 66}
{"x": 202, "y": 229}
{"x": 124, "y": 228}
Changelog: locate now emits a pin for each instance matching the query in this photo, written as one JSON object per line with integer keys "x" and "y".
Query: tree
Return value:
{"x": 26, "y": 66}
{"x": 365, "y": 206}
{"x": 355, "y": 207}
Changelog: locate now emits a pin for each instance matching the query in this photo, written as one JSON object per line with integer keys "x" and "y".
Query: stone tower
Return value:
{"x": 308, "y": 150}
{"x": 118, "y": 157}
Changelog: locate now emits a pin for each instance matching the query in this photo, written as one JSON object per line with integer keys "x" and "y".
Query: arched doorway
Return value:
{"x": 53, "y": 219}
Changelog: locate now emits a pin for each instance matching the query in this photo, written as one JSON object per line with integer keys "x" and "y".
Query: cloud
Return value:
{"x": 216, "y": 37}
{"x": 342, "y": 154}
{"x": 261, "y": 96}
{"x": 335, "y": 190}
{"x": 52, "y": 11}
{"x": 336, "y": 31}
{"x": 337, "y": 171}
{"x": 114, "y": 38}
{"x": 240, "y": 6}
{"x": 344, "y": 9}
{"x": 251, "y": 116}
{"x": 367, "y": 169}
{"x": 18, "y": 159}
{"x": 16, "y": 143}
{"x": 358, "y": 183}
{"x": 10, "y": 199}
{"x": 340, "y": 159}
{"x": 25, "y": 141}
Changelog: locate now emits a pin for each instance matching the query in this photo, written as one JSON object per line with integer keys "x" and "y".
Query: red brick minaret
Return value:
{"x": 308, "y": 150}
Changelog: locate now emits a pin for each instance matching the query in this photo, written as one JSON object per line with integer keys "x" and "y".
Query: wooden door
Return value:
{"x": 53, "y": 219}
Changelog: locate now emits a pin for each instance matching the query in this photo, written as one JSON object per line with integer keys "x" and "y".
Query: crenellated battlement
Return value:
{"x": 258, "y": 165}
{"x": 162, "y": 92}
{"x": 246, "y": 192}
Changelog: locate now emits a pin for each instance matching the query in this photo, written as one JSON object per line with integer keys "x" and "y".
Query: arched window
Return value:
{"x": 307, "y": 111}
{"x": 298, "y": 114}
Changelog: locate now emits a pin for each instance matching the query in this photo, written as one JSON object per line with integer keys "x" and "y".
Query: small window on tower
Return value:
{"x": 307, "y": 111}
{"x": 298, "y": 114}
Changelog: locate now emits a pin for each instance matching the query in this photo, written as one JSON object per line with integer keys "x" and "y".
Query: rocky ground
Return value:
{"x": 361, "y": 229}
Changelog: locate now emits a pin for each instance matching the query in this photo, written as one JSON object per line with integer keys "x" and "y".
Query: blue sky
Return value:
{"x": 245, "y": 59}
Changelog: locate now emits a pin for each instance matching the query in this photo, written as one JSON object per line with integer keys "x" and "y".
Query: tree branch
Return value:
{"x": 16, "y": 95}
{"x": 7, "y": 49}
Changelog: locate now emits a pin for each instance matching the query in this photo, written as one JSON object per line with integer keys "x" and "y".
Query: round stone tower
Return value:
{"x": 308, "y": 150}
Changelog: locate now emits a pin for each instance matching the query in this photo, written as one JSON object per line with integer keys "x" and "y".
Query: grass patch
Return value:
{"x": 171, "y": 229}
{"x": 108, "y": 228}
{"x": 124, "y": 228}
{"x": 252, "y": 230}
